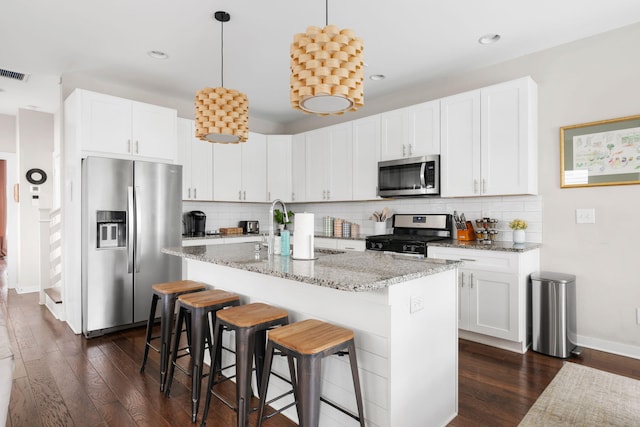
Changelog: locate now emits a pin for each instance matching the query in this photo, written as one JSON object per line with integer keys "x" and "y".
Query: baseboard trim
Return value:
{"x": 29, "y": 290}
{"x": 620, "y": 349}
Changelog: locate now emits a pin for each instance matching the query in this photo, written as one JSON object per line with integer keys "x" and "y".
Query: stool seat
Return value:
{"x": 207, "y": 298}
{"x": 310, "y": 336}
{"x": 246, "y": 316}
{"x": 177, "y": 287}
{"x": 167, "y": 293}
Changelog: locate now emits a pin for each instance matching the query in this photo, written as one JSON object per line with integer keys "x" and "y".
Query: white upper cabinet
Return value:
{"x": 329, "y": 163}
{"x": 279, "y": 167}
{"x": 298, "y": 168}
{"x": 366, "y": 155}
{"x": 489, "y": 141}
{"x": 411, "y": 132}
{"x": 240, "y": 170}
{"x": 254, "y": 168}
{"x": 196, "y": 158}
{"x": 127, "y": 129}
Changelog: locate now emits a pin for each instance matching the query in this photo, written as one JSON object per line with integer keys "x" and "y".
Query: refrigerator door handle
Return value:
{"x": 130, "y": 237}
{"x": 136, "y": 205}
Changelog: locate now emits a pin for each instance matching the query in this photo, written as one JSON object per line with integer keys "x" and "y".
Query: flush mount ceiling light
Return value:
{"x": 327, "y": 70}
{"x": 157, "y": 54}
{"x": 377, "y": 77}
{"x": 222, "y": 115}
{"x": 489, "y": 39}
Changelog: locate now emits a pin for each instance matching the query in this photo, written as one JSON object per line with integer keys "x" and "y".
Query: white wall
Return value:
{"x": 8, "y": 143}
{"x": 35, "y": 147}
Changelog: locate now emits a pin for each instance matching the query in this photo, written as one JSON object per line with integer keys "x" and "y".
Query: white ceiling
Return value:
{"x": 407, "y": 40}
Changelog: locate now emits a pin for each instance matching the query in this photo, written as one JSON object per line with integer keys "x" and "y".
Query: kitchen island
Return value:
{"x": 403, "y": 311}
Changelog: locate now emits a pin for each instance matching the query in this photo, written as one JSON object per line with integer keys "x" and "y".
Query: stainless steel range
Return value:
{"x": 412, "y": 233}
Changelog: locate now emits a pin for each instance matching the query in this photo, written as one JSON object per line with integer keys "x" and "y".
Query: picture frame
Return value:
{"x": 605, "y": 152}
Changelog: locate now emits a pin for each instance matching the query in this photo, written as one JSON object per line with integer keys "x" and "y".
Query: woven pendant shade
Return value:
{"x": 327, "y": 71}
{"x": 222, "y": 115}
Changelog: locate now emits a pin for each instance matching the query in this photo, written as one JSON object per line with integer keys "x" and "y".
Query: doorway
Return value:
{"x": 8, "y": 220}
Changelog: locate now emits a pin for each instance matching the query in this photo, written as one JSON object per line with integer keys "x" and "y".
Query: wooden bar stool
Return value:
{"x": 250, "y": 323}
{"x": 167, "y": 294}
{"x": 309, "y": 341}
{"x": 200, "y": 307}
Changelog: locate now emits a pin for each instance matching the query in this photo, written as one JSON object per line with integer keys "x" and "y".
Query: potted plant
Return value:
{"x": 278, "y": 216}
{"x": 518, "y": 226}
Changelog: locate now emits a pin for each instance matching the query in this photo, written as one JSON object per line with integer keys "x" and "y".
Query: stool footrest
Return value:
{"x": 340, "y": 408}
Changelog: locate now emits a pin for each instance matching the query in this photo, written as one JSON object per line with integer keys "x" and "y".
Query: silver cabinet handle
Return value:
{"x": 471, "y": 280}
{"x": 189, "y": 193}
{"x": 269, "y": 195}
{"x": 239, "y": 194}
{"x": 484, "y": 185}
{"x": 404, "y": 150}
{"x": 195, "y": 193}
{"x": 328, "y": 194}
{"x": 244, "y": 195}
{"x": 128, "y": 146}
{"x": 410, "y": 150}
{"x": 137, "y": 151}
{"x": 324, "y": 194}
{"x": 293, "y": 196}
{"x": 475, "y": 186}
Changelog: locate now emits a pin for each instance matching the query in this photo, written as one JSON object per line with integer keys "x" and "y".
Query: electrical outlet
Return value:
{"x": 586, "y": 216}
{"x": 416, "y": 304}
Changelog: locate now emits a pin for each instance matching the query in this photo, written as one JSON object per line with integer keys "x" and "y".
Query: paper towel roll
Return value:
{"x": 303, "y": 239}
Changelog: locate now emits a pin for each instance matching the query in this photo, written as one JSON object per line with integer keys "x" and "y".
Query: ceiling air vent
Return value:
{"x": 14, "y": 75}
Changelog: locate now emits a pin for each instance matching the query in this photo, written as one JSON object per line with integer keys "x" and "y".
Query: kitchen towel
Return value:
{"x": 303, "y": 236}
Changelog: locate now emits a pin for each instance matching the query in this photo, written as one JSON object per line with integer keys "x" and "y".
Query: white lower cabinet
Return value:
{"x": 493, "y": 303}
{"x": 340, "y": 244}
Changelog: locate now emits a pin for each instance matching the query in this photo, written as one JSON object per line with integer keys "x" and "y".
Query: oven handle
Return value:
{"x": 423, "y": 168}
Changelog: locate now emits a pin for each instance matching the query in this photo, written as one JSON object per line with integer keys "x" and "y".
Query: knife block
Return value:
{"x": 468, "y": 234}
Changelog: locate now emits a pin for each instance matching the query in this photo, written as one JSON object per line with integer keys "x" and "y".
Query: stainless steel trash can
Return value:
{"x": 553, "y": 313}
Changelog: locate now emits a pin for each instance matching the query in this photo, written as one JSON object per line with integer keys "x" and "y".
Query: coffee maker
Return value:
{"x": 195, "y": 223}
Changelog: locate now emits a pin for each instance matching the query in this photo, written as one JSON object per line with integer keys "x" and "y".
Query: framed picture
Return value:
{"x": 600, "y": 153}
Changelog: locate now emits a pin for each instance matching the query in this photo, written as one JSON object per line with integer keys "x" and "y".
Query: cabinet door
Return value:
{"x": 338, "y": 168}
{"x": 106, "y": 123}
{"x": 509, "y": 143}
{"x": 279, "y": 167}
{"x": 254, "y": 168}
{"x": 154, "y": 131}
{"x": 366, "y": 155}
{"x": 424, "y": 129}
{"x": 460, "y": 145}
{"x": 394, "y": 134}
{"x": 316, "y": 164}
{"x": 298, "y": 168}
{"x": 227, "y": 172}
{"x": 185, "y": 136}
{"x": 201, "y": 168}
{"x": 493, "y": 304}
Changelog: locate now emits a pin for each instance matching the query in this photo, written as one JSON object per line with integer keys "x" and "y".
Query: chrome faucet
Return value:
{"x": 286, "y": 219}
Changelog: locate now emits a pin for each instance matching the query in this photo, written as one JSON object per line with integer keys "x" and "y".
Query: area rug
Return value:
{"x": 583, "y": 396}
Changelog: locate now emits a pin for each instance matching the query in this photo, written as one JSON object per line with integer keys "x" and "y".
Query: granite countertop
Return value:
{"x": 219, "y": 236}
{"x": 495, "y": 246}
{"x": 343, "y": 270}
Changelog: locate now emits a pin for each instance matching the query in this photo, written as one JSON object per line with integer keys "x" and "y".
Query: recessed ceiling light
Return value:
{"x": 157, "y": 54}
{"x": 489, "y": 38}
{"x": 377, "y": 77}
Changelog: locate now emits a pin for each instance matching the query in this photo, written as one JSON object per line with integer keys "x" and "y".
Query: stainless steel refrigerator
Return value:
{"x": 130, "y": 210}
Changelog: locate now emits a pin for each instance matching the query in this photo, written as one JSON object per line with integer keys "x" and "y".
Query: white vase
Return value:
{"x": 380, "y": 227}
{"x": 518, "y": 236}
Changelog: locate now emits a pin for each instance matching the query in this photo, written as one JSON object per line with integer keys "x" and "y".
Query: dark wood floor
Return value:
{"x": 62, "y": 379}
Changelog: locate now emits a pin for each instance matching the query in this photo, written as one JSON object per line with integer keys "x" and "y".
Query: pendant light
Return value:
{"x": 327, "y": 70}
{"x": 222, "y": 115}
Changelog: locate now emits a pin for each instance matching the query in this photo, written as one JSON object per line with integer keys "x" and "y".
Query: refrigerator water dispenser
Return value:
{"x": 111, "y": 229}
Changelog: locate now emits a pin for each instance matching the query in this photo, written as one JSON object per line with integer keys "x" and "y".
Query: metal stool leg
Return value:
{"x": 152, "y": 316}
{"x": 268, "y": 361}
{"x": 166, "y": 323}
{"x": 356, "y": 380}
{"x": 245, "y": 347}
{"x": 174, "y": 352}
{"x": 309, "y": 387}
{"x": 199, "y": 327}
{"x": 215, "y": 364}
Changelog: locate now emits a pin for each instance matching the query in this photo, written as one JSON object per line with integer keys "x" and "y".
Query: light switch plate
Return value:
{"x": 586, "y": 216}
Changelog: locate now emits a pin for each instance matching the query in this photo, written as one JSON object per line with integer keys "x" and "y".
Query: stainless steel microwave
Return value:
{"x": 415, "y": 176}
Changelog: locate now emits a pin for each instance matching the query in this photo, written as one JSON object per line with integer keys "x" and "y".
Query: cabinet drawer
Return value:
{"x": 506, "y": 262}
{"x": 350, "y": 245}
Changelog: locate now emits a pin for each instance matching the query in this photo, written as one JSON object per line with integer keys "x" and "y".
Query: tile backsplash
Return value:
{"x": 504, "y": 209}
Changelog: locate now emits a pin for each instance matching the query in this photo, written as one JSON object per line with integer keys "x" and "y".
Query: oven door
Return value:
{"x": 415, "y": 176}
